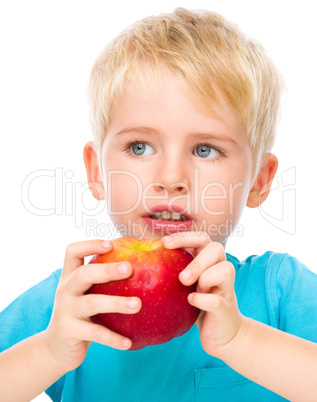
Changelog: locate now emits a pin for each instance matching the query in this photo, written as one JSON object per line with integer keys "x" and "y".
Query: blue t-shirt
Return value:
{"x": 275, "y": 289}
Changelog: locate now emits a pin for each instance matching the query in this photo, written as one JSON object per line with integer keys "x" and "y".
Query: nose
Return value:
{"x": 173, "y": 175}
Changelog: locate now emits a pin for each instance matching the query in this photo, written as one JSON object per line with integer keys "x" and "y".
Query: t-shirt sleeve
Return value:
{"x": 296, "y": 294}
{"x": 28, "y": 315}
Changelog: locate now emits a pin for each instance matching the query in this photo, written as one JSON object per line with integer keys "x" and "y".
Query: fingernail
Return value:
{"x": 132, "y": 303}
{"x": 190, "y": 297}
{"x": 186, "y": 275}
{"x": 126, "y": 343}
{"x": 106, "y": 243}
{"x": 167, "y": 240}
{"x": 123, "y": 268}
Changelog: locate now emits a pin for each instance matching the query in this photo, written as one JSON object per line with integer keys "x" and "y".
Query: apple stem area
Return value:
{"x": 144, "y": 245}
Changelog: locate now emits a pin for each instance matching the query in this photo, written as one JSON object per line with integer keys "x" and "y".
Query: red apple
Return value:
{"x": 165, "y": 311}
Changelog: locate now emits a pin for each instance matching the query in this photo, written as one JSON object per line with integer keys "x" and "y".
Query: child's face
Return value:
{"x": 163, "y": 153}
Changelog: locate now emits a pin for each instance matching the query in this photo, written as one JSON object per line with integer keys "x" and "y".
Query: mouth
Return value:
{"x": 169, "y": 216}
{"x": 168, "y": 220}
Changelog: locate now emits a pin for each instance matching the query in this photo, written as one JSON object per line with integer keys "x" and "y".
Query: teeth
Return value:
{"x": 168, "y": 216}
{"x": 176, "y": 216}
{"x": 158, "y": 215}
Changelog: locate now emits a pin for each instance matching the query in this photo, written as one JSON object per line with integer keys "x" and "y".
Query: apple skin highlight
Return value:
{"x": 165, "y": 311}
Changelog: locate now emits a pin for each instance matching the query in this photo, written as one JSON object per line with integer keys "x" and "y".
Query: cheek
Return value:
{"x": 123, "y": 191}
{"x": 237, "y": 200}
{"x": 219, "y": 199}
{"x": 213, "y": 199}
{"x": 221, "y": 209}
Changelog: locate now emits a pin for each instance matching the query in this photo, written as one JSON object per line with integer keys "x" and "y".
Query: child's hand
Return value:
{"x": 71, "y": 331}
{"x": 220, "y": 320}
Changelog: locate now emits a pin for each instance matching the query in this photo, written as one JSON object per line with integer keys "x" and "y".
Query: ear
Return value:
{"x": 263, "y": 182}
{"x": 93, "y": 172}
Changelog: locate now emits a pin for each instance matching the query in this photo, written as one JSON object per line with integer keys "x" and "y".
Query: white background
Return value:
{"x": 47, "y": 51}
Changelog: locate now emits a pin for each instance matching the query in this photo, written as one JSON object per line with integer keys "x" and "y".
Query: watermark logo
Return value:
{"x": 131, "y": 228}
{"x": 68, "y": 197}
{"x": 280, "y": 208}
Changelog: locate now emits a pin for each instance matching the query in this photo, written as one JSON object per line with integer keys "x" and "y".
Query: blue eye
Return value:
{"x": 141, "y": 149}
{"x": 206, "y": 152}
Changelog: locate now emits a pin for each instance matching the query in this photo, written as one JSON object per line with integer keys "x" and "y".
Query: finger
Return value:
{"x": 92, "y": 332}
{"x": 218, "y": 279}
{"x": 210, "y": 255}
{"x": 87, "y": 275}
{"x": 212, "y": 303}
{"x": 76, "y": 253}
{"x": 191, "y": 240}
{"x": 93, "y": 304}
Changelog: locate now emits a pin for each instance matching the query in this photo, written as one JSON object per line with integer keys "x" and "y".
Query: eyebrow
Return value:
{"x": 195, "y": 135}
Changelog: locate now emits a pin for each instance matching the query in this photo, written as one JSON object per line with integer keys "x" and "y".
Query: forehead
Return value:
{"x": 149, "y": 78}
{"x": 169, "y": 100}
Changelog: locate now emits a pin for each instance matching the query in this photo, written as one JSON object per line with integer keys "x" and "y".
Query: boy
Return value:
{"x": 184, "y": 112}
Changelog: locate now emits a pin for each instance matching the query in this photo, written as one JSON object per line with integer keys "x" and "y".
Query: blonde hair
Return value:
{"x": 204, "y": 51}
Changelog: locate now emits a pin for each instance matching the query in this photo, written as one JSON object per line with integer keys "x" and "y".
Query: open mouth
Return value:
{"x": 169, "y": 216}
{"x": 167, "y": 219}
